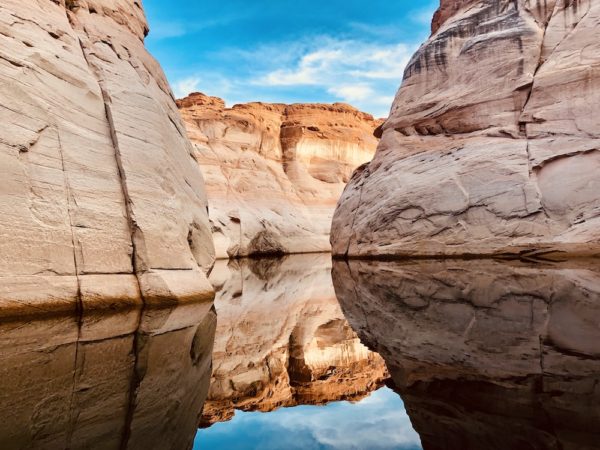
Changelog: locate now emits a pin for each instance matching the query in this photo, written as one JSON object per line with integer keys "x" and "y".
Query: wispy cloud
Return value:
{"x": 165, "y": 29}
{"x": 357, "y": 426}
{"x": 257, "y": 51}
{"x": 352, "y": 92}
{"x": 208, "y": 83}
{"x": 379, "y": 422}
{"x": 185, "y": 86}
{"x": 365, "y": 74}
{"x": 323, "y": 64}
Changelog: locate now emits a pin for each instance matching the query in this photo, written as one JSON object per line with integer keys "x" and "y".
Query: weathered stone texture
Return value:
{"x": 127, "y": 380}
{"x": 492, "y": 143}
{"x": 274, "y": 172}
{"x": 97, "y": 176}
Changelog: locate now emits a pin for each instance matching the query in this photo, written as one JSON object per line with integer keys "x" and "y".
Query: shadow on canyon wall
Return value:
{"x": 127, "y": 380}
{"x": 485, "y": 355}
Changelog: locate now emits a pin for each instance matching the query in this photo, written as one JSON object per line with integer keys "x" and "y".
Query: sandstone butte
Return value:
{"x": 101, "y": 199}
{"x": 302, "y": 353}
{"x": 492, "y": 143}
{"x": 275, "y": 172}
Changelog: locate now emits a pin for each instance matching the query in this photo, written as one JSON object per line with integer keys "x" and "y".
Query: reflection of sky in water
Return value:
{"x": 377, "y": 422}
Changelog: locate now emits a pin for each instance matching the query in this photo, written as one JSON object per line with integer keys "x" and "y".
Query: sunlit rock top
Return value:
{"x": 274, "y": 172}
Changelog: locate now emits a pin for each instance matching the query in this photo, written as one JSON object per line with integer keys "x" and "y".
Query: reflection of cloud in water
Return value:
{"x": 377, "y": 422}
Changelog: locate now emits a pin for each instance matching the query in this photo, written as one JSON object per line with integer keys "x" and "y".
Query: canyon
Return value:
{"x": 275, "y": 172}
{"x": 146, "y": 282}
{"x": 101, "y": 198}
{"x": 492, "y": 144}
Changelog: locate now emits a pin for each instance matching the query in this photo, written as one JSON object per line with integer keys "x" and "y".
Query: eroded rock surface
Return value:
{"x": 100, "y": 195}
{"x": 282, "y": 340}
{"x": 484, "y": 354}
{"x": 492, "y": 145}
{"x": 275, "y": 172}
{"x": 121, "y": 381}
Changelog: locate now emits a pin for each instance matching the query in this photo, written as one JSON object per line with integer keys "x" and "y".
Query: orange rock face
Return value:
{"x": 492, "y": 143}
{"x": 274, "y": 172}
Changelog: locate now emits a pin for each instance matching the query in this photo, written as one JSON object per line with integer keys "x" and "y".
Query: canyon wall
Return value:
{"x": 282, "y": 339}
{"x": 492, "y": 145}
{"x": 101, "y": 199}
{"x": 484, "y": 354}
{"x": 275, "y": 172}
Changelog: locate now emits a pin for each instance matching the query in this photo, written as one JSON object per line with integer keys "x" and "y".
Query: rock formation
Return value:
{"x": 492, "y": 145}
{"x": 100, "y": 195}
{"x": 111, "y": 382}
{"x": 282, "y": 340}
{"x": 484, "y": 354}
{"x": 274, "y": 172}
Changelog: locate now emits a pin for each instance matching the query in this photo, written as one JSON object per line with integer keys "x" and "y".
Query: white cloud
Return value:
{"x": 164, "y": 29}
{"x": 352, "y": 92}
{"x": 346, "y": 58}
{"x": 379, "y": 422}
{"x": 389, "y": 31}
{"x": 361, "y": 73}
{"x": 185, "y": 86}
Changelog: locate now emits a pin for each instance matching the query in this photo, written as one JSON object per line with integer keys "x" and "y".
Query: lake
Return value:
{"x": 299, "y": 352}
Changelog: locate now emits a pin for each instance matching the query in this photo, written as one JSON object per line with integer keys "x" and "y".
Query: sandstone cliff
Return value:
{"x": 282, "y": 340}
{"x": 274, "y": 172}
{"x": 492, "y": 143}
{"x": 484, "y": 354}
{"x": 100, "y": 195}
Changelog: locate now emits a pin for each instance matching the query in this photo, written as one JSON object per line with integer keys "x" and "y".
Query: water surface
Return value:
{"x": 302, "y": 353}
{"x": 480, "y": 354}
{"x": 111, "y": 380}
{"x": 485, "y": 355}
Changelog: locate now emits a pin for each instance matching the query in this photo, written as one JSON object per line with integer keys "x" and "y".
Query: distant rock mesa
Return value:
{"x": 275, "y": 172}
{"x": 101, "y": 201}
{"x": 492, "y": 145}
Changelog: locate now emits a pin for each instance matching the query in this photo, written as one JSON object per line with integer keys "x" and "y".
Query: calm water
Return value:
{"x": 381, "y": 355}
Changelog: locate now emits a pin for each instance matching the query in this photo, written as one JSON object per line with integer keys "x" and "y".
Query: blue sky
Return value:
{"x": 287, "y": 51}
{"x": 378, "y": 422}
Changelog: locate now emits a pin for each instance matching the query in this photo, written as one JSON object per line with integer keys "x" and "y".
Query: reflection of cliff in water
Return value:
{"x": 486, "y": 355}
{"x": 282, "y": 339}
{"x": 112, "y": 381}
